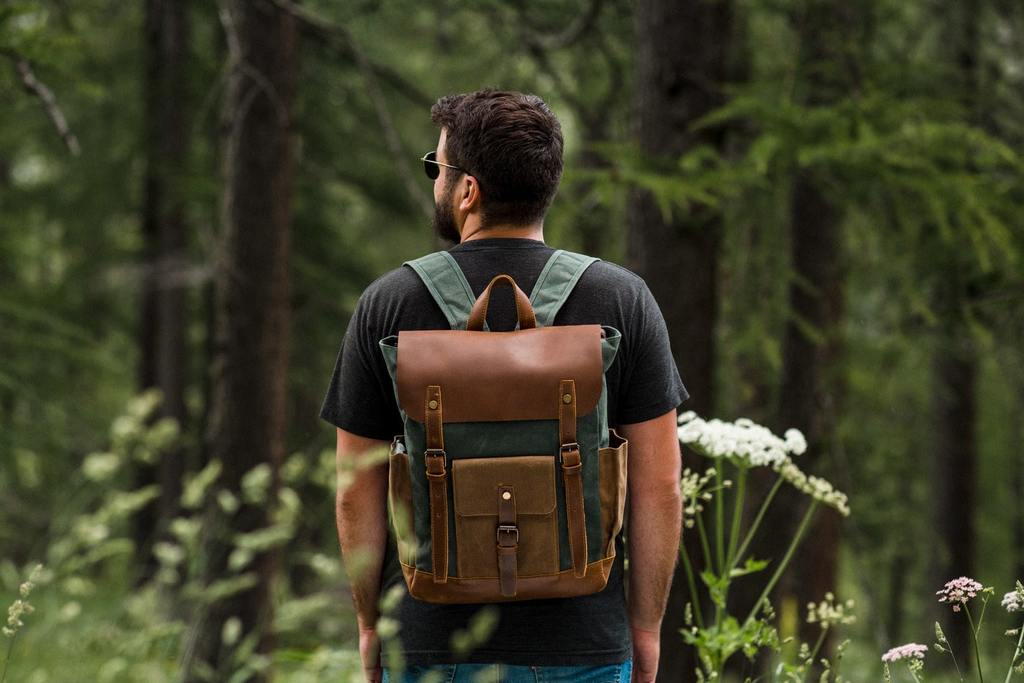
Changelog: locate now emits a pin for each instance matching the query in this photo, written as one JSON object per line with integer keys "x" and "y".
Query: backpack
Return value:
{"x": 507, "y": 483}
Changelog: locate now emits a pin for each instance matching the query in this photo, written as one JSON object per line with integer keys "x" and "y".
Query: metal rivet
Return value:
{"x": 566, "y": 398}
{"x": 505, "y": 495}
{"x": 432, "y": 404}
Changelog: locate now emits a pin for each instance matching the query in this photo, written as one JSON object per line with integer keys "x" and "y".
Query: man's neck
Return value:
{"x": 532, "y": 232}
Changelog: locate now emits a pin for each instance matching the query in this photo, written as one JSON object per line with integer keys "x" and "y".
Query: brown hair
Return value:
{"x": 511, "y": 143}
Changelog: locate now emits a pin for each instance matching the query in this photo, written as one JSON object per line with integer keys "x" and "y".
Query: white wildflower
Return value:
{"x": 1014, "y": 600}
{"x": 815, "y": 487}
{"x": 692, "y": 487}
{"x": 795, "y": 442}
{"x": 744, "y": 441}
{"x": 21, "y": 606}
{"x": 829, "y": 612}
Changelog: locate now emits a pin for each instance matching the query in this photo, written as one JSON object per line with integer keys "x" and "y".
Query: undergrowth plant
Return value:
{"x": 958, "y": 593}
{"x": 735, "y": 449}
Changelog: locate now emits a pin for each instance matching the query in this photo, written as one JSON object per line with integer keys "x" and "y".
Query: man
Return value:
{"x": 497, "y": 166}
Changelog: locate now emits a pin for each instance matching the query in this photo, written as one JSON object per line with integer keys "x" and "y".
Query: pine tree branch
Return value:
{"x": 339, "y": 37}
{"x": 40, "y": 90}
{"x": 580, "y": 25}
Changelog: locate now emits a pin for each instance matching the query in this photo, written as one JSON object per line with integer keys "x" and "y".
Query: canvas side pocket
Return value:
{"x": 476, "y": 482}
{"x": 613, "y": 489}
{"x": 400, "y": 510}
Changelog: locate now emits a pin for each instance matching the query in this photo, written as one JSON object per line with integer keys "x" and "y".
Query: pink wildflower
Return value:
{"x": 959, "y": 591}
{"x": 908, "y": 651}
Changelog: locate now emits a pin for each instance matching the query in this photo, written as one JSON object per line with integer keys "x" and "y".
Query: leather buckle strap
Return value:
{"x": 435, "y": 460}
{"x": 572, "y": 479}
{"x": 510, "y": 529}
{"x": 437, "y": 478}
{"x": 507, "y": 539}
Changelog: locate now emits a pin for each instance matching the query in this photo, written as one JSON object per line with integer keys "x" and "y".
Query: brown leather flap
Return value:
{"x": 490, "y": 376}
{"x": 475, "y": 481}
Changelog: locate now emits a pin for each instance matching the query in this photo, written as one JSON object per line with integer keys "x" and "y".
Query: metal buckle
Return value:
{"x": 507, "y": 528}
{"x": 569, "y": 446}
{"x": 434, "y": 453}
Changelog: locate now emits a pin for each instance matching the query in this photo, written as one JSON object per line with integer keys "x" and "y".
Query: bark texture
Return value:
{"x": 247, "y": 425}
{"x": 162, "y": 344}
{"x": 681, "y": 63}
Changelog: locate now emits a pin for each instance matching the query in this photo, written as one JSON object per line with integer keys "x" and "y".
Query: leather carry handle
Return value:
{"x": 524, "y": 310}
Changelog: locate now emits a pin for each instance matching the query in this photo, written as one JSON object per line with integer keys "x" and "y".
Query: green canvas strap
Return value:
{"x": 447, "y": 284}
{"x": 555, "y": 282}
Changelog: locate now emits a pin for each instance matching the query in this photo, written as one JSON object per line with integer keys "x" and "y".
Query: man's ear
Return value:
{"x": 469, "y": 199}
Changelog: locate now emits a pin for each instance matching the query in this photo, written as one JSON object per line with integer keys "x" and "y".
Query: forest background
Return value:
{"x": 824, "y": 196}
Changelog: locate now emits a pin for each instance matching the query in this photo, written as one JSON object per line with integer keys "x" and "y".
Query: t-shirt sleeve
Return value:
{"x": 651, "y": 383}
{"x": 360, "y": 398}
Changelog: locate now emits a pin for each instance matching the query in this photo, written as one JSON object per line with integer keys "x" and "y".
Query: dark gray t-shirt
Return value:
{"x": 643, "y": 383}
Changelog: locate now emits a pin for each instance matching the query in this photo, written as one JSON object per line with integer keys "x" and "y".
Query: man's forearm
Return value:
{"x": 655, "y": 522}
{"x": 362, "y": 532}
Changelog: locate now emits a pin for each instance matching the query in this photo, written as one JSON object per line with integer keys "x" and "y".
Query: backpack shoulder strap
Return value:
{"x": 447, "y": 284}
{"x": 555, "y": 283}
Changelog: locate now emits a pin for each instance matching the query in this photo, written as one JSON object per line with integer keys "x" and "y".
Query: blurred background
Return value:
{"x": 824, "y": 196}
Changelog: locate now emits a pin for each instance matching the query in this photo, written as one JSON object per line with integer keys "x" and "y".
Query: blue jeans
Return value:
{"x": 507, "y": 673}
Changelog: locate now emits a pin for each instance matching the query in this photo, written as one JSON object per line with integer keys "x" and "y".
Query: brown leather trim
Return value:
{"x": 613, "y": 486}
{"x": 434, "y": 418}
{"x": 572, "y": 465}
{"x": 460, "y": 591}
{"x": 524, "y": 310}
{"x": 575, "y": 515}
{"x": 400, "y": 508}
{"x": 489, "y": 376}
{"x": 566, "y": 411}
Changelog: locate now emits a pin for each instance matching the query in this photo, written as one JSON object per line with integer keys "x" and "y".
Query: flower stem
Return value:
{"x": 949, "y": 649}
{"x": 7, "y": 659}
{"x": 720, "y": 520}
{"x": 704, "y": 540}
{"x": 814, "y": 653}
{"x": 737, "y": 516}
{"x": 757, "y": 522}
{"x": 977, "y": 650}
{"x": 693, "y": 586}
{"x": 1016, "y": 652}
{"x": 804, "y": 524}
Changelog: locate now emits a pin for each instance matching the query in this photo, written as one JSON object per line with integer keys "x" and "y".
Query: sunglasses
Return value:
{"x": 431, "y": 164}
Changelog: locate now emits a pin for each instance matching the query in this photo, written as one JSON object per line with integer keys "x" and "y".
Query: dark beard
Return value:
{"x": 444, "y": 219}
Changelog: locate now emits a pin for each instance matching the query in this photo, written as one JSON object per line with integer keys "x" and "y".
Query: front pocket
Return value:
{"x": 476, "y": 482}
{"x": 613, "y": 489}
{"x": 400, "y": 510}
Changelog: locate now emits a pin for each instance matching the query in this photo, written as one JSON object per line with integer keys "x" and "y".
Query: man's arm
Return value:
{"x": 653, "y": 533}
{"x": 361, "y": 513}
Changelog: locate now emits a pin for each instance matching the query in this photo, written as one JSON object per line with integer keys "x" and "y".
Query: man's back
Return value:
{"x": 642, "y": 382}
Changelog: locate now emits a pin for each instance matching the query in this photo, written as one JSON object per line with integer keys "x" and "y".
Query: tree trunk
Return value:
{"x": 162, "y": 320}
{"x": 954, "y": 454}
{"x": 955, "y": 363}
{"x": 813, "y": 382}
{"x": 813, "y": 374}
{"x": 681, "y": 52}
{"x": 247, "y": 427}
